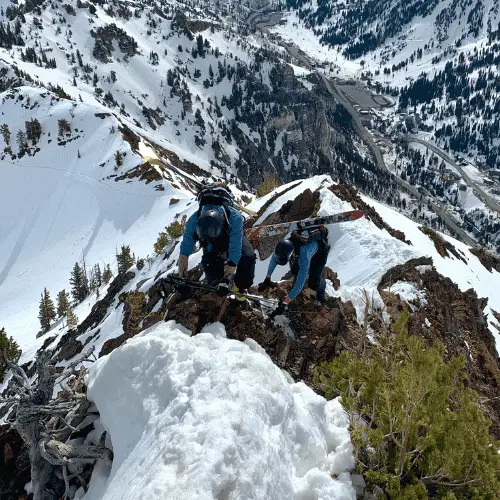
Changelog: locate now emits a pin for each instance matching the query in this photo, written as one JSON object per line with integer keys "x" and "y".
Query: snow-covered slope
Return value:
{"x": 59, "y": 203}
{"x": 206, "y": 417}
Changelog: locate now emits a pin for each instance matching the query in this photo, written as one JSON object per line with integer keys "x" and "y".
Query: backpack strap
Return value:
{"x": 311, "y": 233}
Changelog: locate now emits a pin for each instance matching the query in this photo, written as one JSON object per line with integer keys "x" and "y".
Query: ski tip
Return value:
{"x": 354, "y": 214}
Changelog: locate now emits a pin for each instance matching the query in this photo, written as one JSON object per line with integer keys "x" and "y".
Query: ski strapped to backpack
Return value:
{"x": 313, "y": 225}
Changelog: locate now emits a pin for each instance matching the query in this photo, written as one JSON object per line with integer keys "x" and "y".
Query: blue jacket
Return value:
{"x": 235, "y": 235}
{"x": 307, "y": 252}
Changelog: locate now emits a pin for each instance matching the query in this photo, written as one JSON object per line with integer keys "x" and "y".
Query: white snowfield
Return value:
{"x": 204, "y": 417}
{"x": 58, "y": 205}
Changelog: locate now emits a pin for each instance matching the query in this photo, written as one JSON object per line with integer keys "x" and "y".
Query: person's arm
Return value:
{"x": 306, "y": 254}
{"x": 188, "y": 240}
{"x": 236, "y": 236}
{"x": 271, "y": 268}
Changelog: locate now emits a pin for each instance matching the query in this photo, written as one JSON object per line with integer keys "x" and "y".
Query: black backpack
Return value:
{"x": 313, "y": 233}
{"x": 215, "y": 194}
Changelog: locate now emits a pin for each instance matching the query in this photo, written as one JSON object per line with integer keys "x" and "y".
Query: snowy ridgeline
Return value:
{"x": 205, "y": 417}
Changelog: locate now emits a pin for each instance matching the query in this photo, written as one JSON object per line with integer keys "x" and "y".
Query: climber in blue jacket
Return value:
{"x": 307, "y": 258}
{"x": 227, "y": 254}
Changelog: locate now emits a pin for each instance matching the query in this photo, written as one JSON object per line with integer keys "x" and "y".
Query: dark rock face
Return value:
{"x": 100, "y": 308}
{"x": 311, "y": 126}
{"x": 15, "y": 469}
{"x": 457, "y": 320}
{"x": 69, "y": 350}
{"x": 351, "y": 195}
{"x": 488, "y": 260}
{"x": 312, "y": 336}
{"x": 305, "y": 205}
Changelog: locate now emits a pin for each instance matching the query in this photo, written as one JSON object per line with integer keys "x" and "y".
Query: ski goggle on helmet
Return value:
{"x": 283, "y": 252}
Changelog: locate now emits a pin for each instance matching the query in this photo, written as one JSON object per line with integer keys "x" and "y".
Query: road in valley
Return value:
{"x": 262, "y": 21}
{"x": 485, "y": 197}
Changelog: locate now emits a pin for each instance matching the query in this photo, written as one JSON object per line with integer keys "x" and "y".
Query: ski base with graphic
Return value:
{"x": 283, "y": 228}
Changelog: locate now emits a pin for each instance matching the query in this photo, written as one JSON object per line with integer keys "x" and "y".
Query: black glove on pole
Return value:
{"x": 264, "y": 285}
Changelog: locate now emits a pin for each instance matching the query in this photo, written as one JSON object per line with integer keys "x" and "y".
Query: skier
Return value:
{"x": 218, "y": 227}
{"x": 307, "y": 252}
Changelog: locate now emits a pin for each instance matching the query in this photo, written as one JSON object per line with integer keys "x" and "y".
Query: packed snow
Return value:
{"x": 408, "y": 292}
{"x": 205, "y": 417}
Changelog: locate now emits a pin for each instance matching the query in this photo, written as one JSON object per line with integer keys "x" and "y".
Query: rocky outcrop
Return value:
{"x": 14, "y": 465}
{"x": 306, "y": 122}
{"x": 189, "y": 26}
{"x": 100, "y": 308}
{"x": 68, "y": 346}
{"x": 313, "y": 334}
{"x": 443, "y": 247}
{"x": 303, "y": 206}
{"x": 487, "y": 259}
{"x": 351, "y": 195}
{"x": 456, "y": 319}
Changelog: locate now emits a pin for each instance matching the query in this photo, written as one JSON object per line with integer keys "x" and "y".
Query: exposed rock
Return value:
{"x": 133, "y": 314}
{"x": 69, "y": 350}
{"x": 101, "y": 307}
{"x": 317, "y": 330}
{"x": 351, "y": 195}
{"x": 443, "y": 247}
{"x": 487, "y": 259}
{"x": 303, "y": 206}
{"x": 188, "y": 26}
{"x": 456, "y": 319}
{"x": 138, "y": 315}
{"x": 145, "y": 172}
{"x": 250, "y": 221}
{"x": 131, "y": 137}
{"x": 14, "y": 465}
{"x": 332, "y": 276}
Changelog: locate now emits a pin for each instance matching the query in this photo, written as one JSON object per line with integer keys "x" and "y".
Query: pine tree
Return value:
{"x": 21, "y": 141}
{"x": 47, "y": 312}
{"x": 95, "y": 278}
{"x": 64, "y": 127}
{"x": 107, "y": 274}
{"x": 125, "y": 259}
{"x": 62, "y": 303}
{"x": 11, "y": 347}
{"x": 4, "y": 129}
{"x": 79, "y": 283}
{"x": 72, "y": 319}
{"x": 119, "y": 159}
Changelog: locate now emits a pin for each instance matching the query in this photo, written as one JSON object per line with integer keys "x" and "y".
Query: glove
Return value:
{"x": 279, "y": 310}
{"x": 182, "y": 265}
{"x": 265, "y": 284}
{"x": 222, "y": 289}
{"x": 229, "y": 270}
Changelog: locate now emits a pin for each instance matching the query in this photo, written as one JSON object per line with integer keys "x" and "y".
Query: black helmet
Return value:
{"x": 209, "y": 225}
{"x": 283, "y": 252}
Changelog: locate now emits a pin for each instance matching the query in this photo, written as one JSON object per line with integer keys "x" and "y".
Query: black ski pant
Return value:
{"x": 213, "y": 265}
{"x": 316, "y": 280}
